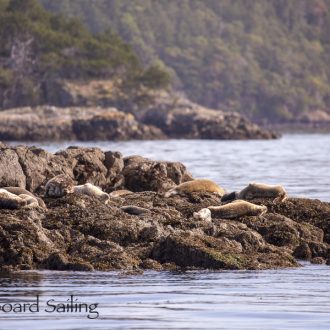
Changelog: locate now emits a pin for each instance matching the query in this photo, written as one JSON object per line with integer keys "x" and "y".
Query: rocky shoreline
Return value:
{"x": 182, "y": 120}
{"x": 79, "y": 232}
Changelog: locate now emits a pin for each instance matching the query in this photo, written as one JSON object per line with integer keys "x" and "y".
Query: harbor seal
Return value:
{"x": 59, "y": 186}
{"x": 119, "y": 193}
{"x": 260, "y": 190}
{"x": 92, "y": 191}
{"x": 21, "y": 191}
{"x": 198, "y": 185}
{"x": 31, "y": 202}
{"x": 237, "y": 209}
{"x": 229, "y": 197}
{"x": 134, "y": 210}
{"x": 203, "y": 214}
{"x": 10, "y": 201}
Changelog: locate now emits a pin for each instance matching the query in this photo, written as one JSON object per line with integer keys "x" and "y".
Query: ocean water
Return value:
{"x": 273, "y": 299}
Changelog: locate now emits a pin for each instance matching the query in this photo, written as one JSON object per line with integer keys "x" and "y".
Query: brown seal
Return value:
{"x": 198, "y": 185}
{"x": 236, "y": 209}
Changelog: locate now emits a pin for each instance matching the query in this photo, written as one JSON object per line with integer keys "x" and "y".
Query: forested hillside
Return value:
{"x": 265, "y": 58}
{"x": 39, "y": 50}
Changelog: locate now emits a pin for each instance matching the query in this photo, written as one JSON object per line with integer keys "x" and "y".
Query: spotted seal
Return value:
{"x": 59, "y": 186}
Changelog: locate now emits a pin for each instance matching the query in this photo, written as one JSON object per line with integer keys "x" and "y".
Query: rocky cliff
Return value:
{"x": 78, "y": 232}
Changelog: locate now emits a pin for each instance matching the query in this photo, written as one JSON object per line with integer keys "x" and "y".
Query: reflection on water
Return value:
{"x": 299, "y": 162}
{"x": 281, "y": 299}
{"x": 275, "y": 299}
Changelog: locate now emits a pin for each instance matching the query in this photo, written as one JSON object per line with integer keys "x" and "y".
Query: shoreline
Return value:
{"x": 186, "y": 120}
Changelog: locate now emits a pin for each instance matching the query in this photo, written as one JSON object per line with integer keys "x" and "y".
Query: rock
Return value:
{"x": 167, "y": 117}
{"x": 32, "y": 167}
{"x": 39, "y": 166}
{"x": 113, "y": 125}
{"x": 114, "y": 163}
{"x": 304, "y": 211}
{"x": 184, "y": 119}
{"x": 189, "y": 251}
{"x": 79, "y": 232}
{"x": 151, "y": 264}
{"x": 318, "y": 261}
{"x": 303, "y": 252}
{"x": 152, "y": 232}
{"x": 56, "y": 261}
{"x": 24, "y": 243}
{"x": 86, "y": 165}
{"x": 319, "y": 249}
{"x": 80, "y": 266}
{"x": 143, "y": 174}
{"x": 317, "y": 116}
{"x": 44, "y": 123}
{"x": 11, "y": 173}
{"x": 203, "y": 214}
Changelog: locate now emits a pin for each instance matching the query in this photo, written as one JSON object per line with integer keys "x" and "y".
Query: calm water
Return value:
{"x": 281, "y": 299}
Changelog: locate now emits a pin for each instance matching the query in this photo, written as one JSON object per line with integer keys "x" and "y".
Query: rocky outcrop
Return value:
{"x": 78, "y": 232}
{"x": 51, "y": 123}
{"x": 166, "y": 119}
{"x": 32, "y": 167}
{"x": 184, "y": 119}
